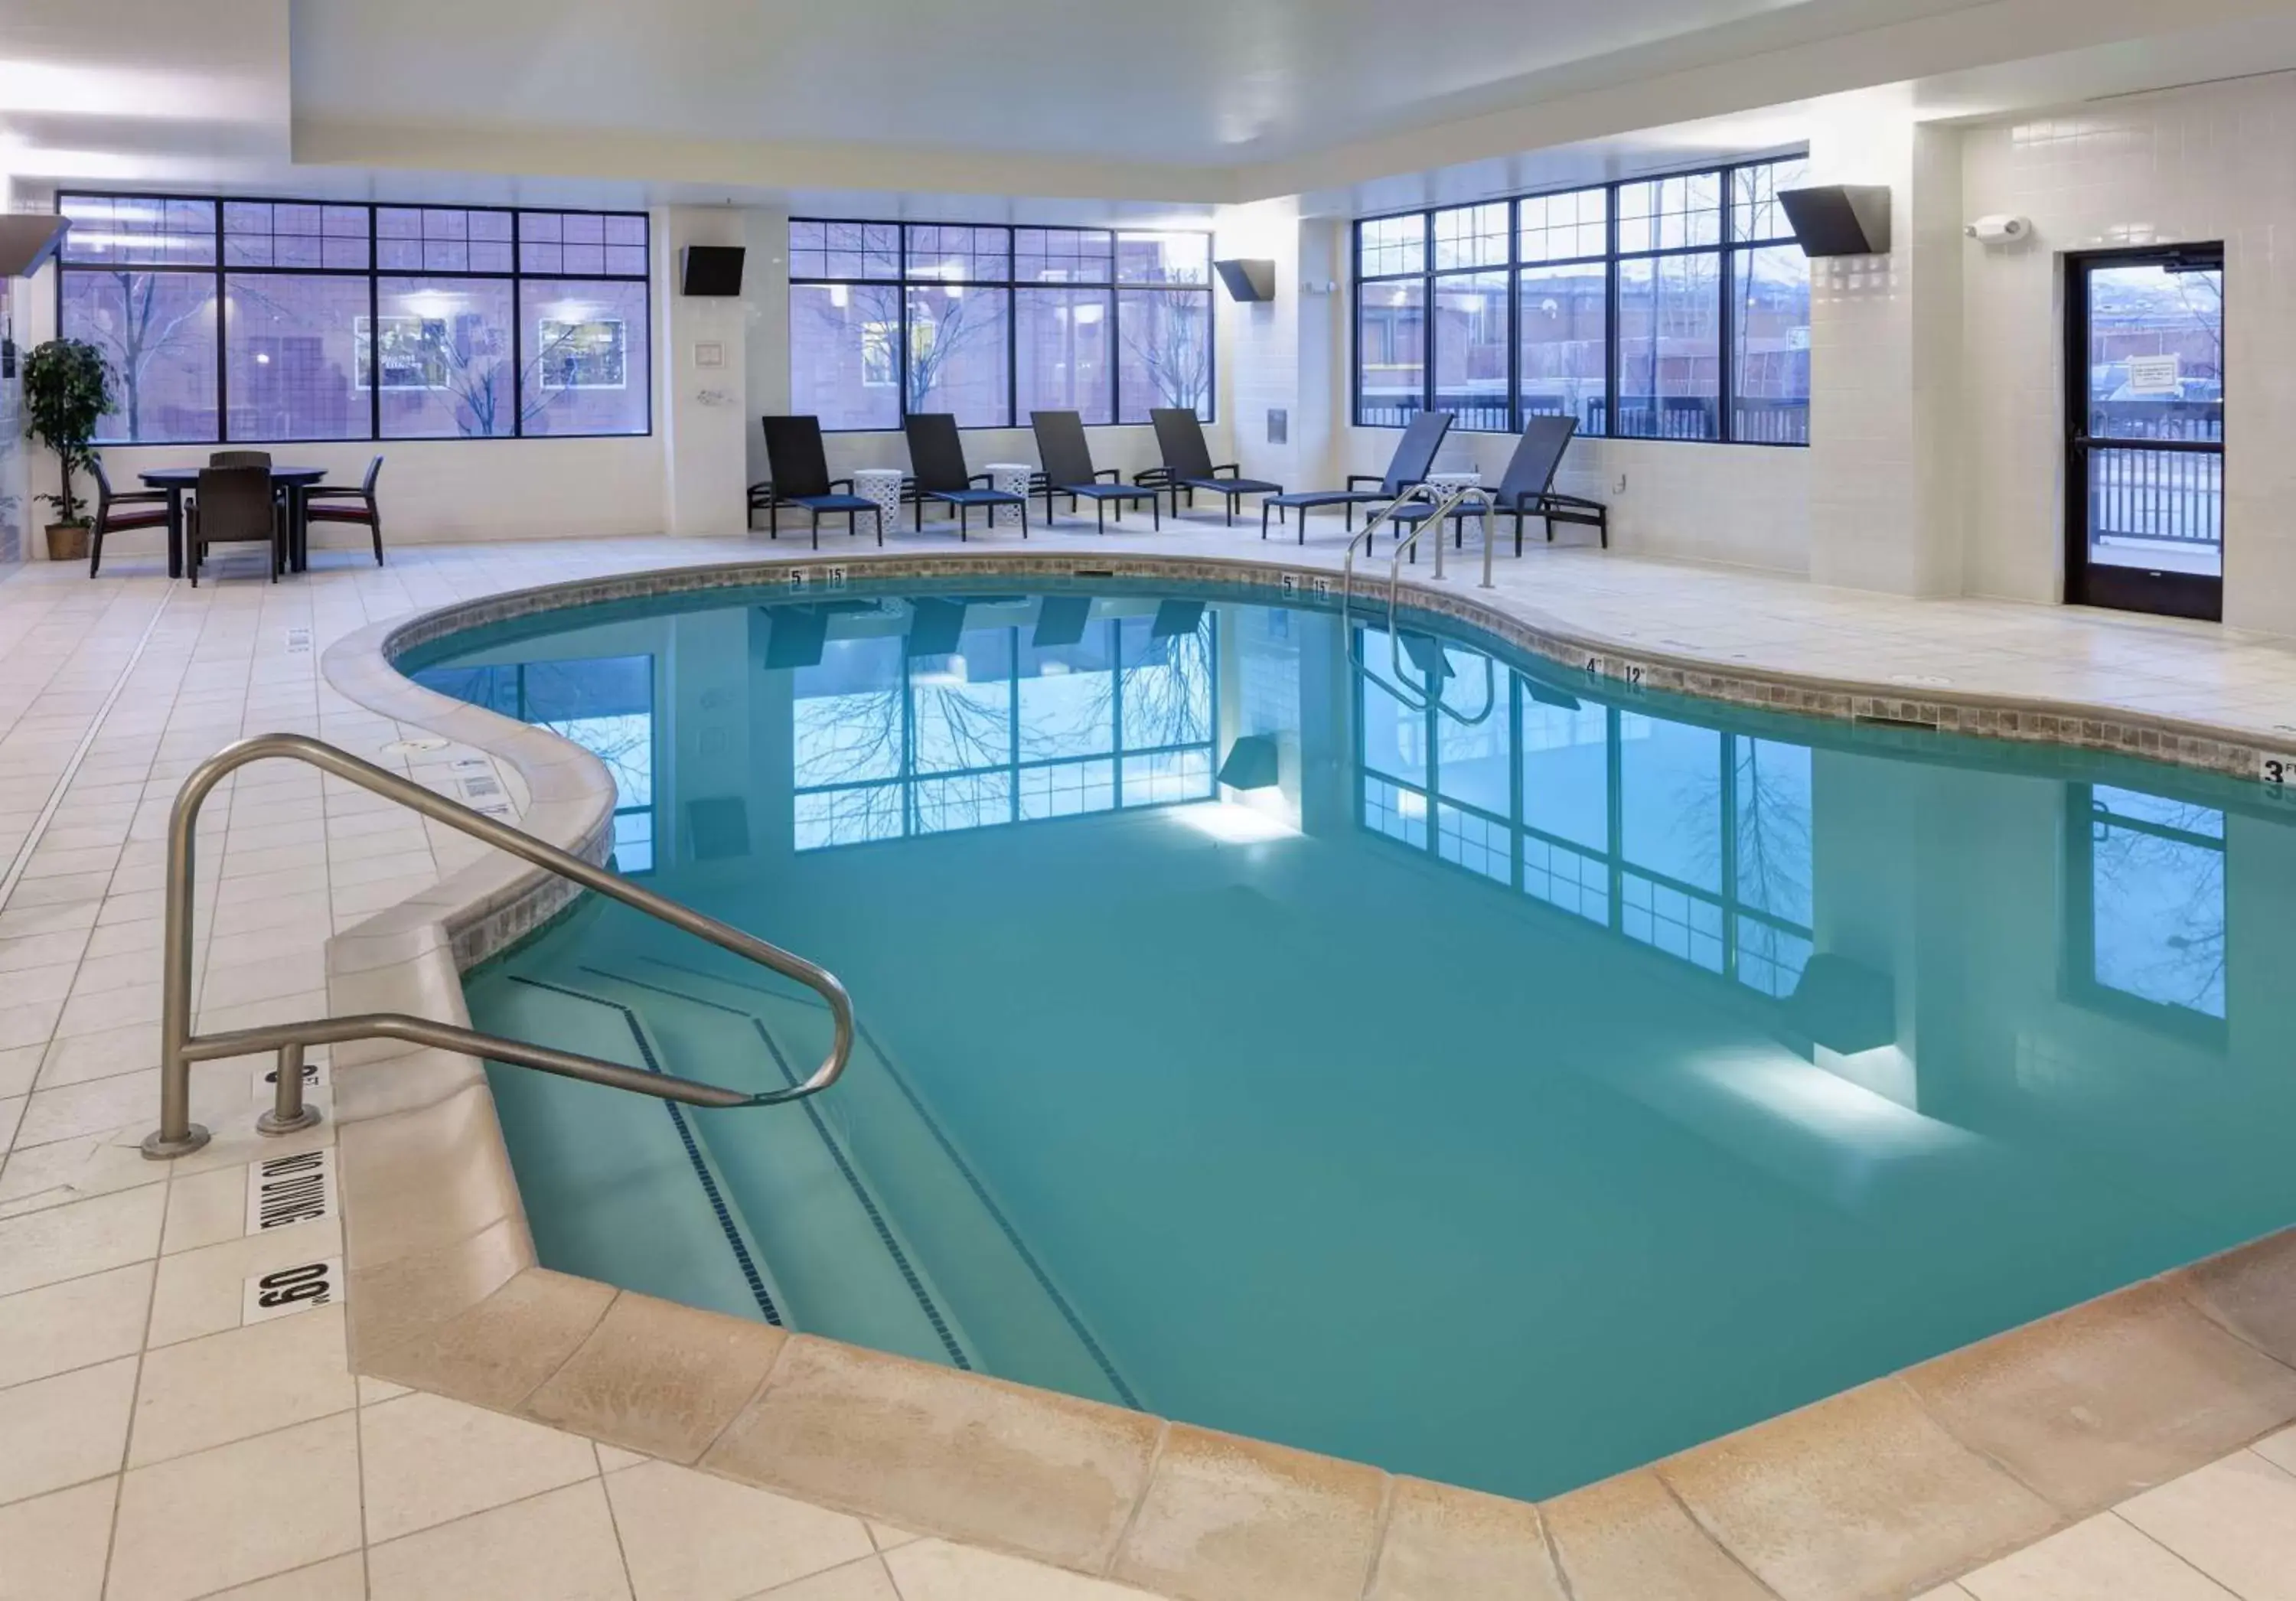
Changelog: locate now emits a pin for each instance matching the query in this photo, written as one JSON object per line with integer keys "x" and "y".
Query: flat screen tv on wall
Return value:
{"x": 711, "y": 269}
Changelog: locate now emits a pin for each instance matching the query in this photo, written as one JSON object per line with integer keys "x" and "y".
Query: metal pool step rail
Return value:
{"x": 178, "y": 1136}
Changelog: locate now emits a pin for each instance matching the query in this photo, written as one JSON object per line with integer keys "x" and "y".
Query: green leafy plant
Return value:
{"x": 67, "y": 392}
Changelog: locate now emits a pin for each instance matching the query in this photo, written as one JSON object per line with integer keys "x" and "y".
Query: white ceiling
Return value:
{"x": 1170, "y": 82}
{"x": 1129, "y": 110}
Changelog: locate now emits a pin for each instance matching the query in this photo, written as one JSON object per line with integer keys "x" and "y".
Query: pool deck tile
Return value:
{"x": 1446, "y": 1544}
{"x": 411, "y": 1296}
{"x": 2097, "y": 1403}
{"x": 1860, "y": 1496}
{"x": 428, "y": 1177}
{"x": 2102, "y": 1558}
{"x": 499, "y": 1351}
{"x": 1230, "y": 1519}
{"x": 2252, "y": 1292}
{"x": 1046, "y": 1475}
{"x": 1630, "y": 1539}
{"x": 658, "y": 1377}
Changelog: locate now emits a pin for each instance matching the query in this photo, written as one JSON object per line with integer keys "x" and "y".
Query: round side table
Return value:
{"x": 1013, "y": 478}
{"x": 883, "y": 486}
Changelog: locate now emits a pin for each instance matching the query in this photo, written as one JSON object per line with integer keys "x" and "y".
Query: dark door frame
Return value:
{"x": 2124, "y": 588}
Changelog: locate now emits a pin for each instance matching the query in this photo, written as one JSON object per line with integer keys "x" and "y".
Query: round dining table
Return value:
{"x": 293, "y": 484}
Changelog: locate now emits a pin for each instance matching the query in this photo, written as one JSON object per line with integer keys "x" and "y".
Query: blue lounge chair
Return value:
{"x": 1062, "y": 447}
{"x": 1527, "y": 489}
{"x": 1188, "y": 464}
{"x": 800, "y": 469}
{"x": 937, "y": 459}
{"x": 1414, "y": 454}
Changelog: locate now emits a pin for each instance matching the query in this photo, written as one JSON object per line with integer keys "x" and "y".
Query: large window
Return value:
{"x": 259, "y": 321}
{"x": 992, "y": 322}
{"x": 1671, "y": 308}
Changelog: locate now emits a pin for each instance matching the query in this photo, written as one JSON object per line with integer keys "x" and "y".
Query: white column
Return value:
{"x": 1885, "y": 496}
{"x": 1282, "y": 355}
{"x": 703, "y": 403}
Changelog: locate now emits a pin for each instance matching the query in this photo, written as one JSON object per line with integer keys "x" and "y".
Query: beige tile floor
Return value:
{"x": 154, "y": 1447}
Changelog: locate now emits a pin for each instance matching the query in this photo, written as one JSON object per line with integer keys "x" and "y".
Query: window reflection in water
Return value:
{"x": 892, "y": 742}
{"x": 603, "y": 704}
{"x": 1691, "y": 840}
{"x": 2147, "y": 892}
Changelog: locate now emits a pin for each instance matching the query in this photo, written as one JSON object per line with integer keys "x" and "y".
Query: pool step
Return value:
{"x": 630, "y": 1195}
{"x": 843, "y": 1263}
{"x": 989, "y": 1282}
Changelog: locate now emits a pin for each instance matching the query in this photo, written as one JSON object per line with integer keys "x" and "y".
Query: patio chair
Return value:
{"x": 1188, "y": 464}
{"x": 1067, "y": 456}
{"x": 800, "y": 478}
{"x": 345, "y": 505}
{"x": 1525, "y": 490}
{"x": 1414, "y": 454}
{"x": 114, "y": 511}
{"x": 234, "y": 505}
{"x": 936, "y": 455}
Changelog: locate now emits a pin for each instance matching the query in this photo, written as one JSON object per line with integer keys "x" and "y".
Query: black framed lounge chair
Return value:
{"x": 116, "y": 512}
{"x": 1527, "y": 489}
{"x": 800, "y": 478}
{"x": 1414, "y": 454}
{"x": 1188, "y": 464}
{"x": 937, "y": 457}
{"x": 1062, "y": 447}
{"x": 356, "y": 506}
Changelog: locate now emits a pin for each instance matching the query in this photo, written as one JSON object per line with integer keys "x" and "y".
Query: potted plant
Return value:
{"x": 67, "y": 391}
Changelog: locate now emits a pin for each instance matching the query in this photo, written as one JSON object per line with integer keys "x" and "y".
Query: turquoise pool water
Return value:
{"x": 1508, "y": 1086}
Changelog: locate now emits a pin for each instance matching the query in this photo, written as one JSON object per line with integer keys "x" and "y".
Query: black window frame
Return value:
{"x": 1728, "y": 247}
{"x": 220, "y": 270}
{"x": 1011, "y": 285}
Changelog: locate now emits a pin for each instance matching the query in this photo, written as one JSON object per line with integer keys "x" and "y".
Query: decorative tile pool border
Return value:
{"x": 1881, "y": 1491}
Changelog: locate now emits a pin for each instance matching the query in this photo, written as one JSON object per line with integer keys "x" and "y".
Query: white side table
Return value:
{"x": 1013, "y": 478}
{"x": 1443, "y": 484}
{"x": 883, "y": 486}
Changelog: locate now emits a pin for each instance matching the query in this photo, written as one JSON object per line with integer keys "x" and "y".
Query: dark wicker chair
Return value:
{"x": 1067, "y": 456}
{"x": 234, "y": 505}
{"x": 115, "y": 512}
{"x": 936, "y": 455}
{"x": 356, "y": 506}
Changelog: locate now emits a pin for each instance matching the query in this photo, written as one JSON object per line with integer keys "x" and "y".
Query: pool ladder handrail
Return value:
{"x": 178, "y": 1136}
{"x": 1444, "y": 502}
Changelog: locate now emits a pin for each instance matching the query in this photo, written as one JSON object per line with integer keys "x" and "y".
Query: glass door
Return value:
{"x": 2145, "y": 415}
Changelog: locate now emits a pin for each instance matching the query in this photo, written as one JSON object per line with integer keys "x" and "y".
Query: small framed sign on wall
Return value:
{"x": 709, "y": 354}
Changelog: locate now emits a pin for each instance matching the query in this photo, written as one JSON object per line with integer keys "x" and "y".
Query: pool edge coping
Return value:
{"x": 1988, "y": 1448}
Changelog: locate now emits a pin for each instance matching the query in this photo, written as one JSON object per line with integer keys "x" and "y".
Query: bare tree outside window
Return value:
{"x": 157, "y": 331}
{"x": 1167, "y": 339}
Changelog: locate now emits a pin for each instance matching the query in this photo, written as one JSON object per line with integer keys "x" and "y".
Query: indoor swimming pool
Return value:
{"x": 1379, "y": 1042}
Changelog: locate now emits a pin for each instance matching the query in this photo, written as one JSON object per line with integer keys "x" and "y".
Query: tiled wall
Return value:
{"x": 2210, "y": 162}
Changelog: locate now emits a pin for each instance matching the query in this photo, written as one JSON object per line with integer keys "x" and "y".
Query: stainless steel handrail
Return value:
{"x": 1444, "y": 502}
{"x": 177, "y": 1135}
